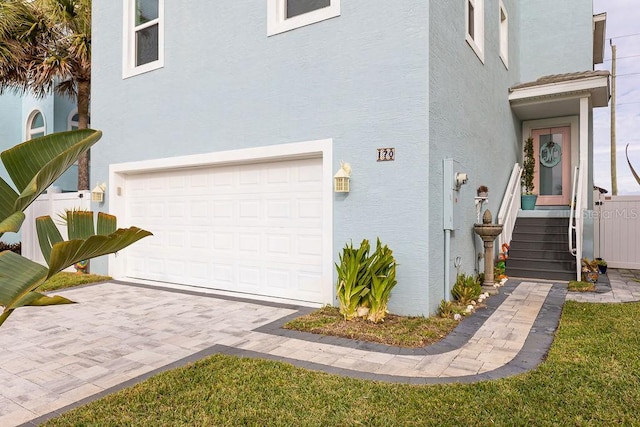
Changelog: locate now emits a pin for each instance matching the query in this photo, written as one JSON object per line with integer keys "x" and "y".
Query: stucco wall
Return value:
{"x": 556, "y": 37}
{"x": 471, "y": 122}
{"x": 360, "y": 78}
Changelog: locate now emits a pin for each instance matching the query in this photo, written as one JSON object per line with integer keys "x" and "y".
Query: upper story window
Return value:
{"x": 285, "y": 15}
{"x": 143, "y": 36}
{"x": 504, "y": 35}
{"x": 474, "y": 20}
{"x": 35, "y": 125}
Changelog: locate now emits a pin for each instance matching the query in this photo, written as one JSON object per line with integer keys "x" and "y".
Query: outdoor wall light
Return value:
{"x": 341, "y": 178}
{"x": 461, "y": 179}
{"x": 97, "y": 194}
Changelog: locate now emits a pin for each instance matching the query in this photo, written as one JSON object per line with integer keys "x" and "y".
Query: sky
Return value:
{"x": 623, "y": 27}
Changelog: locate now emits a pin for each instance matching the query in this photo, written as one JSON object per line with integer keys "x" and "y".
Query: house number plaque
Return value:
{"x": 386, "y": 154}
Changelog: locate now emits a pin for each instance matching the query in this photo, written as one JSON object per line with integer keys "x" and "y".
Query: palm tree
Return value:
{"x": 45, "y": 46}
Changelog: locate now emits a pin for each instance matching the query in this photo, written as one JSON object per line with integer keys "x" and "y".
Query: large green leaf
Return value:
{"x": 34, "y": 165}
{"x": 36, "y": 299}
{"x": 67, "y": 253}
{"x": 12, "y": 223}
{"x": 8, "y": 198}
{"x": 18, "y": 277}
{"x": 80, "y": 225}
{"x": 107, "y": 224}
{"x": 48, "y": 235}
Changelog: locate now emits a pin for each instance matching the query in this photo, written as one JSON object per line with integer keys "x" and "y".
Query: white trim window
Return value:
{"x": 36, "y": 125}
{"x": 72, "y": 120}
{"x": 143, "y": 36}
{"x": 474, "y": 23}
{"x": 504, "y": 34}
{"x": 286, "y": 15}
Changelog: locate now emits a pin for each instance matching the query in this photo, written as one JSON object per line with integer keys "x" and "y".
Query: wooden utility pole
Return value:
{"x": 614, "y": 175}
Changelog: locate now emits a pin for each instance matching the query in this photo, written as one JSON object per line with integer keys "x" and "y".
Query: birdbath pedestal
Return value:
{"x": 488, "y": 233}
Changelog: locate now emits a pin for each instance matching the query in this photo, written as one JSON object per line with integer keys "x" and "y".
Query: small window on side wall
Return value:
{"x": 143, "y": 48}
{"x": 504, "y": 35}
{"x": 286, "y": 15}
{"x": 73, "y": 120}
{"x": 474, "y": 20}
{"x": 35, "y": 125}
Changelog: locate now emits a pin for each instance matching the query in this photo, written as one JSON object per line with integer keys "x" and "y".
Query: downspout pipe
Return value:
{"x": 447, "y": 257}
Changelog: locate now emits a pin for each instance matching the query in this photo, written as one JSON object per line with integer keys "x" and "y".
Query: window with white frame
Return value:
{"x": 504, "y": 35}
{"x": 285, "y": 15}
{"x": 36, "y": 126}
{"x": 143, "y": 36}
{"x": 74, "y": 118}
{"x": 474, "y": 19}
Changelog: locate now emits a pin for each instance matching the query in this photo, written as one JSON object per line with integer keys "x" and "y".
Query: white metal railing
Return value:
{"x": 510, "y": 205}
{"x": 576, "y": 222}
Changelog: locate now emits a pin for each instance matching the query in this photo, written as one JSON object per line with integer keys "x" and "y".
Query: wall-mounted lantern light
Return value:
{"x": 97, "y": 194}
{"x": 341, "y": 178}
{"x": 461, "y": 179}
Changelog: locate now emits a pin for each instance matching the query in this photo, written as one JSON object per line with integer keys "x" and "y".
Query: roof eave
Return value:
{"x": 597, "y": 86}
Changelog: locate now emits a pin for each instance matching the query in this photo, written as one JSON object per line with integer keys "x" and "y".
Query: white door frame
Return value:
{"x": 299, "y": 150}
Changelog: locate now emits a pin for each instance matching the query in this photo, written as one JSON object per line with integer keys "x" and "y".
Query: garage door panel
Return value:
{"x": 253, "y": 228}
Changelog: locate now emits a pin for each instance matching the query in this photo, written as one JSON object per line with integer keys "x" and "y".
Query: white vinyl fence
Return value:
{"x": 618, "y": 231}
{"x": 52, "y": 204}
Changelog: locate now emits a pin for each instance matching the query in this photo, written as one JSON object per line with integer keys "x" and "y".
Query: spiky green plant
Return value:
{"x": 445, "y": 310}
{"x": 466, "y": 288}
{"x": 382, "y": 267}
{"x": 353, "y": 278}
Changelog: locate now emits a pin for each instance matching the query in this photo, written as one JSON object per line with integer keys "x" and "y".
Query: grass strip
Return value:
{"x": 581, "y": 286}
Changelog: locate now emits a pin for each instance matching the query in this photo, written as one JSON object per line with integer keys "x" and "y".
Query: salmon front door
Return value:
{"x": 552, "y": 152}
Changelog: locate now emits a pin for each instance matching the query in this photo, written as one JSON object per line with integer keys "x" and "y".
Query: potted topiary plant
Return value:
{"x": 528, "y": 199}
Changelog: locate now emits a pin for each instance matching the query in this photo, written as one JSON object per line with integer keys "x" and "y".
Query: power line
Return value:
{"x": 623, "y": 36}
{"x": 625, "y": 57}
{"x": 627, "y": 74}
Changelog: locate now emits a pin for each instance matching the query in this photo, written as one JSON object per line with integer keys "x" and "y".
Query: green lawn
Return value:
{"x": 64, "y": 280}
{"x": 591, "y": 377}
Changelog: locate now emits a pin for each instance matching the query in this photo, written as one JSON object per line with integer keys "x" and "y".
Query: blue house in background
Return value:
{"x": 225, "y": 122}
{"x": 26, "y": 117}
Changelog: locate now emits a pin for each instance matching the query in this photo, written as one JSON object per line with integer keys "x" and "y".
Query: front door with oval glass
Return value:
{"x": 552, "y": 151}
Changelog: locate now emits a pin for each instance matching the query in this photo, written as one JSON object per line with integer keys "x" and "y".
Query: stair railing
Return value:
{"x": 576, "y": 222}
{"x": 510, "y": 205}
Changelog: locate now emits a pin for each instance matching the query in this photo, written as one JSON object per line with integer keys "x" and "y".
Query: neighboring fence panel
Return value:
{"x": 51, "y": 204}
{"x": 619, "y": 218}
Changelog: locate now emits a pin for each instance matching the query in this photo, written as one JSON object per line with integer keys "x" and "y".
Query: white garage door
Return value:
{"x": 254, "y": 228}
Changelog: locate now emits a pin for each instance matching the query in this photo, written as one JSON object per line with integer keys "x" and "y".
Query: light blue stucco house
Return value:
{"x": 225, "y": 122}
{"x": 26, "y": 117}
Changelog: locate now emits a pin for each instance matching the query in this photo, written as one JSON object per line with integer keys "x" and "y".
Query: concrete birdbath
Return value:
{"x": 488, "y": 233}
